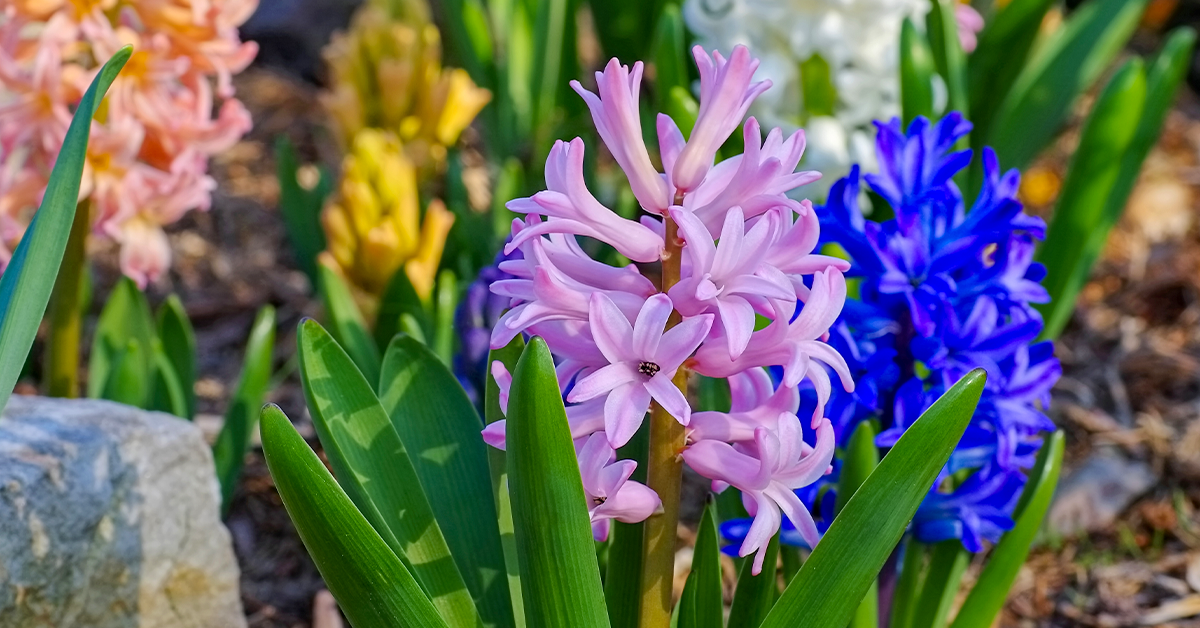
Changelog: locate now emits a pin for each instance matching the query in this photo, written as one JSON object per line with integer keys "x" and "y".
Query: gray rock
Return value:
{"x": 1092, "y": 496}
{"x": 109, "y": 518}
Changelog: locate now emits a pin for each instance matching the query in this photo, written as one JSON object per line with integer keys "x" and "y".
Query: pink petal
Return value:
{"x": 680, "y": 341}
{"x": 603, "y": 380}
{"x": 650, "y": 323}
{"x": 623, "y": 413}
{"x": 634, "y": 502}
{"x": 737, "y": 319}
{"x": 494, "y": 434}
{"x": 663, "y": 390}
{"x": 610, "y": 329}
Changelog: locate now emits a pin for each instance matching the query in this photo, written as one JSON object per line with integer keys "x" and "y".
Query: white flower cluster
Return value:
{"x": 859, "y": 39}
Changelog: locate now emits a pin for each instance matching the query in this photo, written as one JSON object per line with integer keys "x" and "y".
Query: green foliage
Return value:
{"x": 947, "y": 563}
{"x": 347, "y": 323}
{"x": 754, "y": 595}
{"x": 230, "y": 449}
{"x": 701, "y": 606}
{"x": 816, "y": 85}
{"x": 401, "y": 310}
{"x": 860, "y": 461}
{"x": 1080, "y": 224}
{"x": 987, "y": 597}
{"x": 670, "y": 52}
{"x": 916, "y": 74}
{"x": 560, "y": 578}
{"x": 28, "y": 279}
{"x": 121, "y": 366}
{"x": 373, "y": 587}
{"x": 1059, "y": 70}
{"x": 376, "y": 470}
{"x": 179, "y": 349}
{"x": 1001, "y": 53}
{"x": 439, "y": 427}
{"x": 840, "y": 570}
{"x": 301, "y": 207}
{"x": 623, "y": 574}
{"x": 948, "y": 54}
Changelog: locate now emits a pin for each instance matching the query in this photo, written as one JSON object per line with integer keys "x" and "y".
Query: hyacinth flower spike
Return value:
{"x": 642, "y": 360}
{"x": 782, "y": 463}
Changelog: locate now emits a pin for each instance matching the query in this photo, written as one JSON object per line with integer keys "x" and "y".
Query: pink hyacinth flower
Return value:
{"x": 768, "y": 474}
{"x": 642, "y": 359}
{"x": 615, "y": 112}
{"x": 584, "y": 419}
{"x": 970, "y": 22}
{"x": 728, "y": 278}
{"x": 610, "y": 492}
{"x": 725, "y": 95}
{"x": 571, "y": 208}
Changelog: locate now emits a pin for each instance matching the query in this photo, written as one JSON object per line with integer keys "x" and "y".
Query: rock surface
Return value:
{"x": 109, "y": 518}
{"x": 1092, "y": 496}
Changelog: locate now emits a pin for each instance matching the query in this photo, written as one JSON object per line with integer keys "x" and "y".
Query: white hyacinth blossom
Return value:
{"x": 858, "y": 39}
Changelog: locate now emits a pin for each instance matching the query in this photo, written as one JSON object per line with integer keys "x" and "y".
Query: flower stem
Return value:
{"x": 664, "y": 474}
{"x": 66, "y": 315}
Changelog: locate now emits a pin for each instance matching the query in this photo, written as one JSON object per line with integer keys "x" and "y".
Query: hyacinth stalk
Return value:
{"x": 66, "y": 316}
{"x": 732, "y": 248}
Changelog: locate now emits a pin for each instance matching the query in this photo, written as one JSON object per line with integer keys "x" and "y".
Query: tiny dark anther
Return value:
{"x": 649, "y": 369}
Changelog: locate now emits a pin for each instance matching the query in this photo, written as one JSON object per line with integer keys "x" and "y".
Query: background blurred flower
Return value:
{"x": 386, "y": 73}
{"x": 170, "y": 110}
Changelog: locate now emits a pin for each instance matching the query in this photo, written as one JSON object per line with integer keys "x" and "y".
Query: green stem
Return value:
{"x": 664, "y": 475}
{"x": 66, "y": 315}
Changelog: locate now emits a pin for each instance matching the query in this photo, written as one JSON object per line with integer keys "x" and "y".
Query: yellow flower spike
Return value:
{"x": 422, "y": 268}
{"x": 381, "y": 257}
{"x": 341, "y": 241}
{"x": 464, "y": 101}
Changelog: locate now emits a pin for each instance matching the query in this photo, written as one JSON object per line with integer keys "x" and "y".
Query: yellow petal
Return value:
{"x": 422, "y": 268}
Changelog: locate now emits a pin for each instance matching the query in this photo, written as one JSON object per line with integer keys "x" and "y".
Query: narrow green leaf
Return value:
{"x": 916, "y": 74}
{"x": 399, "y": 300}
{"x": 508, "y": 356}
{"x": 701, "y": 606}
{"x": 862, "y": 456}
{"x": 560, "y": 578}
{"x": 987, "y": 597}
{"x": 1001, "y": 53}
{"x": 376, "y": 470}
{"x": 444, "y": 307}
{"x": 624, "y": 26}
{"x": 126, "y": 316}
{"x": 552, "y": 27}
{"x": 440, "y": 429}
{"x": 816, "y": 86}
{"x": 683, "y": 109}
{"x": 1059, "y": 70}
{"x": 670, "y": 52}
{"x": 754, "y": 595}
{"x": 470, "y": 38}
{"x": 127, "y": 382}
{"x": 167, "y": 395}
{"x": 301, "y": 207}
{"x": 908, "y": 586}
{"x": 179, "y": 345}
{"x": 372, "y": 586}
{"x": 861, "y": 538}
{"x": 1079, "y": 227}
{"x": 229, "y": 452}
{"x": 947, "y": 563}
{"x": 948, "y": 56}
{"x": 28, "y": 279}
{"x": 623, "y": 575}
{"x": 347, "y": 323}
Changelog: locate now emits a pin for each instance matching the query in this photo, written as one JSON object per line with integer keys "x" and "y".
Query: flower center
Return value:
{"x": 649, "y": 369}
{"x": 599, "y": 501}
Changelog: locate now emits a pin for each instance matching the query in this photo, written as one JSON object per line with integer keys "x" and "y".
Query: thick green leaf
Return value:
{"x": 560, "y": 578}
{"x": 916, "y": 74}
{"x": 127, "y": 383}
{"x": 372, "y": 586}
{"x": 701, "y": 606}
{"x": 179, "y": 345}
{"x": 376, "y": 471}
{"x": 1059, "y": 71}
{"x": 301, "y": 207}
{"x": 908, "y": 585}
{"x": 670, "y": 52}
{"x": 28, "y": 279}
{"x": 126, "y": 316}
{"x": 347, "y": 324}
{"x": 947, "y": 563}
{"x": 229, "y": 452}
{"x": 400, "y": 300}
{"x": 862, "y": 456}
{"x": 1003, "y": 48}
{"x": 987, "y": 597}
{"x": 948, "y": 54}
{"x": 508, "y": 356}
{"x": 754, "y": 595}
{"x": 826, "y": 591}
{"x": 1079, "y": 227}
{"x": 440, "y": 429}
